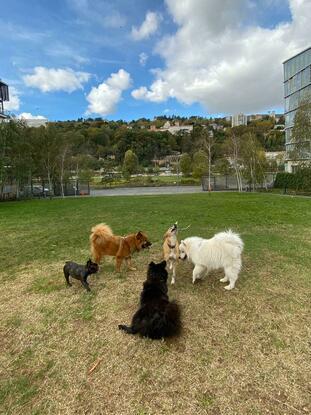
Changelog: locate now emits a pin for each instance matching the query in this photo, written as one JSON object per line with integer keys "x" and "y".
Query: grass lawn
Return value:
{"x": 241, "y": 352}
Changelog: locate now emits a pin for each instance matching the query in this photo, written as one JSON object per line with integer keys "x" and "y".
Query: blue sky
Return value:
{"x": 129, "y": 59}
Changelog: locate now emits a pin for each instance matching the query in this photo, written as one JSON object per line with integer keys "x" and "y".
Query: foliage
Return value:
{"x": 185, "y": 164}
{"x": 253, "y": 158}
{"x": 130, "y": 164}
{"x": 223, "y": 166}
{"x": 298, "y": 181}
{"x": 200, "y": 164}
{"x": 65, "y": 150}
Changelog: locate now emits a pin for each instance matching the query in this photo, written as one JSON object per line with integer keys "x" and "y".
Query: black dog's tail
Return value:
{"x": 166, "y": 323}
{"x": 127, "y": 329}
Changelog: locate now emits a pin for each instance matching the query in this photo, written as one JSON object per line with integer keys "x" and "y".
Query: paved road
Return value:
{"x": 136, "y": 191}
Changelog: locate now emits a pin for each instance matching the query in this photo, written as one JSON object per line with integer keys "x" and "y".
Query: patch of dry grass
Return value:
{"x": 240, "y": 352}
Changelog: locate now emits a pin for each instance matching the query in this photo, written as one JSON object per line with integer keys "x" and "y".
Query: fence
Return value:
{"x": 229, "y": 182}
{"x": 41, "y": 190}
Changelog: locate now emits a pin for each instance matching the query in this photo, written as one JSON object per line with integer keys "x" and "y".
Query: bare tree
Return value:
{"x": 233, "y": 145}
{"x": 207, "y": 141}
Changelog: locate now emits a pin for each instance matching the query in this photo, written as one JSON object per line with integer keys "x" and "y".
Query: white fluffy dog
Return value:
{"x": 222, "y": 251}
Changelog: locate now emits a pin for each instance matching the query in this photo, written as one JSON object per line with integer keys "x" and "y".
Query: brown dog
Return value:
{"x": 104, "y": 242}
{"x": 171, "y": 250}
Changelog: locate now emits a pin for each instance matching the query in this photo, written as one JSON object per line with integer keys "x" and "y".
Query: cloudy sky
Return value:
{"x": 126, "y": 59}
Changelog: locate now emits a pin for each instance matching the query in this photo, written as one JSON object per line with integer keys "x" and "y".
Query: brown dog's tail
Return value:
{"x": 99, "y": 234}
{"x": 101, "y": 231}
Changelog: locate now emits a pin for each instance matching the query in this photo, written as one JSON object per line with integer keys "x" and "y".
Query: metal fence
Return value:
{"x": 229, "y": 182}
{"x": 42, "y": 190}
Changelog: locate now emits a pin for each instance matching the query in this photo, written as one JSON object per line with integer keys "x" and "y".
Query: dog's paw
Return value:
{"x": 225, "y": 279}
{"x": 228, "y": 287}
{"x": 172, "y": 282}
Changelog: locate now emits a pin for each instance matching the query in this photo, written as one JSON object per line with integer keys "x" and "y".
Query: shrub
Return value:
{"x": 298, "y": 181}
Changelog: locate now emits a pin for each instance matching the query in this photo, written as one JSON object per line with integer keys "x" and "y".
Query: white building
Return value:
{"x": 173, "y": 129}
{"x": 238, "y": 119}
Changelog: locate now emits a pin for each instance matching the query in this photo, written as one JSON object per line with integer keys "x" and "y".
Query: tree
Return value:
{"x": 64, "y": 147}
{"x": 200, "y": 164}
{"x": 46, "y": 153}
{"x": 15, "y": 155}
{"x": 185, "y": 164}
{"x": 130, "y": 164}
{"x": 208, "y": 142}
{"x": 233, "y": 149}
{"x": 223, "y": 166}
{"x": 254, "y": 160}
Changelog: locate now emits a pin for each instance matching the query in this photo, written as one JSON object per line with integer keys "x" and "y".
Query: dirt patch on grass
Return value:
{"x": 243, "y": 352}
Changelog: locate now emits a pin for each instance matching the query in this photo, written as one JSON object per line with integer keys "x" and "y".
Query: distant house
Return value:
{"x": 216, "y": 126}
{"x": 173, "y": 129}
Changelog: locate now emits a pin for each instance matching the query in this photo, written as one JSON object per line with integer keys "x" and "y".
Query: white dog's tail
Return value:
{"x": 231, "y": 238}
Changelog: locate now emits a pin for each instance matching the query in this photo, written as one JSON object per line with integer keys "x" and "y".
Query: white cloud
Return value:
{"x": 29, "y": 116}
{"x": 104, "y": 98}
{"x": 143, "y": 57}
{"x": 215, "y": 58}
{"x": 52, "y": 79}
{"x": 14, "y": 103}
{"x": 148, "y": 27}
{"x": 159, "y": 91}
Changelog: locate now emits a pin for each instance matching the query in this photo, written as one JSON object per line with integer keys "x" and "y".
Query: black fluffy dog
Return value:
{"x": 156, "y": 317}
{"x": 80, "y": 272}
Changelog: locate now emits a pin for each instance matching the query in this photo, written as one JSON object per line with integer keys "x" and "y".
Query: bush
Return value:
{"x": 299, "y": 181}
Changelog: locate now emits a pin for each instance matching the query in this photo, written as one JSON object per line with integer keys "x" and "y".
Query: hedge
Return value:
{"x": 298, "y": 181}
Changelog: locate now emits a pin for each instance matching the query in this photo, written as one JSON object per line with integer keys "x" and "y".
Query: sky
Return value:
{"x": 128, "y": 59}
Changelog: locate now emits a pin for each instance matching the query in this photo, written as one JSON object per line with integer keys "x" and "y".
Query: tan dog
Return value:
{"x": 104, "y": 242}
{"x": 171, "y": 249}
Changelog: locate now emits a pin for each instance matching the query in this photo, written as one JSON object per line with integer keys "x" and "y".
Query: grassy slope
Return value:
{"x": 242, "y": 352}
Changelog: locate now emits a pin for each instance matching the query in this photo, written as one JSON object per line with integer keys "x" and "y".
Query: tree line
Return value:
{"x": 63, "y": 150}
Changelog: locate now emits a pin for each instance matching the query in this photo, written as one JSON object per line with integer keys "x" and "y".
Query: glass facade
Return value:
{"x": 297, "y": 86}
{"x": 296, "y": 64}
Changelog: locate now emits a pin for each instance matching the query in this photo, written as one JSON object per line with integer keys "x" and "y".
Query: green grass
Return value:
{"x": 244, "y": 352}
{"x": 59, "y": 229}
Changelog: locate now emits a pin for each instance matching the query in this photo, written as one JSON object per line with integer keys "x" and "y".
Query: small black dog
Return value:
{"x": 156, "y": 317}
{"x": 80, "y": 272}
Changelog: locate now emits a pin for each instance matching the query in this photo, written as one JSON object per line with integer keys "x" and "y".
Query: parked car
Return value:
{"x": 36, "y": 190}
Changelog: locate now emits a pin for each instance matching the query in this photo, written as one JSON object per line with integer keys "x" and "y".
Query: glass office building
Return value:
{"x": 297, "y": 86}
